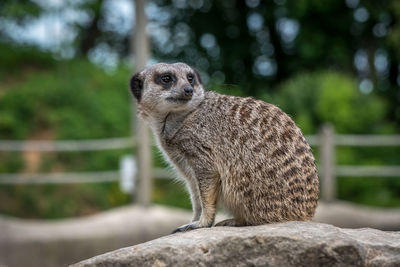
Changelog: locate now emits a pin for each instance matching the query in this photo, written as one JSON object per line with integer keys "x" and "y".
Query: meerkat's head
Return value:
{"x": 163, "y": 88}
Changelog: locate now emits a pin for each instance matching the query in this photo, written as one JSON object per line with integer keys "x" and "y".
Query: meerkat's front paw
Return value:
{"x": 187, "y": 227}
{"x": 191, "y": 226}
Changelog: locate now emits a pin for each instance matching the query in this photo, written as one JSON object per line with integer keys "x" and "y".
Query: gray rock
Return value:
{"x": 282, "y": 244}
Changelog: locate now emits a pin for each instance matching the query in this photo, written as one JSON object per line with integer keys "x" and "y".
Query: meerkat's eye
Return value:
{"x": 190, "y": 78}
{"x": 166, "y": 78}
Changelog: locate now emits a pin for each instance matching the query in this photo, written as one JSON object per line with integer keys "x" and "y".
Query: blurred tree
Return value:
{"x": 19, "y": 10}
{"x": 254, "y": 44}
{"x": 259, "y": 44}
{"x": 89, "y": 33}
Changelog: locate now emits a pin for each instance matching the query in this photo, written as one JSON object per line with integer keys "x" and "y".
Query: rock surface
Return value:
{"x": 282, "y": 244}
{"x": 44, "y": 243}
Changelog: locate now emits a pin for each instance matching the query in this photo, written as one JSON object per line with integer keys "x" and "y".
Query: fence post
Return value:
{"x": 141, "y": 51}
{"x": 327, "y": 163}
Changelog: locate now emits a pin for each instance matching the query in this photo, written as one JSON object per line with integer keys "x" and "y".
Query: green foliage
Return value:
{"x": 226, "y": 89}
{"x": 62, "y": 100}
{"x": 13, "y": 58}
{"x": 316, "y": 98}
{"x": 19, "y": 10}
{"x": 370, "y": 191}
{"x": 75, "y": 99}
{"x": 172, "y": 193}
{"x": 10, "y": 162}
{"x": 374, "y": 191}
{"x": 374, "y": 156}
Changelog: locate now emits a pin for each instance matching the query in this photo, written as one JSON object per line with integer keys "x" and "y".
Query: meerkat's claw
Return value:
{"x": 186, "y": 227}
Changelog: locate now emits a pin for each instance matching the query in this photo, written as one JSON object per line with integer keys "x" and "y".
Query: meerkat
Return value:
{"x": 245, "y": 153}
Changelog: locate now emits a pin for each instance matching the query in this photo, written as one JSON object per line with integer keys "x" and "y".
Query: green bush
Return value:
{"x": 16, "y": 58}
{"x": 75, "y": 99}
{"x": 62, "y": 100}
{"x": 330, "y": 97}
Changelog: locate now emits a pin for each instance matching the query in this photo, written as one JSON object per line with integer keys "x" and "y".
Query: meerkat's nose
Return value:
{"x": 188, "y": 91}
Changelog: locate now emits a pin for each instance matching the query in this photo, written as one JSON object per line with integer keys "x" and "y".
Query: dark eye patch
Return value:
{"x": 165, "y": 79}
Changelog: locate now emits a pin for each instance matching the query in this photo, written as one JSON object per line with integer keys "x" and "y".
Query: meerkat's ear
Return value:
{"x": 136, "y": 85}
{"x": 197, "y": 75}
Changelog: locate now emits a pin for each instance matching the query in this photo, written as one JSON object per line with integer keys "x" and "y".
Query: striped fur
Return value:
{"x": 245, "y": 153}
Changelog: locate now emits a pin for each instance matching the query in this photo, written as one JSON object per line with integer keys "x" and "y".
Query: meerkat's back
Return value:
{"x": 266, "y": 168}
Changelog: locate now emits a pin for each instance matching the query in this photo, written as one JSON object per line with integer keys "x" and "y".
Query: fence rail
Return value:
{"x": 59, "y": 178}
{"x": 326, "y": 140}
{"x": 367, "y": 171}
{"x": 74, "y": 177}
{"x": 67, "y": 145}
{"x": 366, "y": 140}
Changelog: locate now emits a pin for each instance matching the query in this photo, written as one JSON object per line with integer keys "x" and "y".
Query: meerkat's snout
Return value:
{"x": 188, "y": 91}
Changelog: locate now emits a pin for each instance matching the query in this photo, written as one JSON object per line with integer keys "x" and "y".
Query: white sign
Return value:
{"x": 128, "y": 170}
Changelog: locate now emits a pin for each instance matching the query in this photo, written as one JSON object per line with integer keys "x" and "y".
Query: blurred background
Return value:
{"x": 67, "y": 120}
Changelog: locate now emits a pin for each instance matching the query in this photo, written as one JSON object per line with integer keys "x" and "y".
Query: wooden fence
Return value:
{"x": 328, "y": 170}
{"x": 327, "y": 142}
